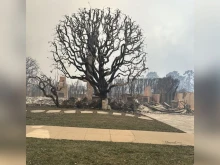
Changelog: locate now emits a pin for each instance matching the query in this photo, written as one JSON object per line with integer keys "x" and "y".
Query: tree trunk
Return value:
{"x": 57, "y": 103}
{"x": 104, "y": 100}
{"x": 105, "y": 104}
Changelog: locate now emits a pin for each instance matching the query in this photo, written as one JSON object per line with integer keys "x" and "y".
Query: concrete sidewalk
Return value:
{"x": 182, "y": 122}
{"x": 111, "y": 135}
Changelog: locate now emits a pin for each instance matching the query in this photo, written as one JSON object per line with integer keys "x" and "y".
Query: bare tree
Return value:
{"x": 139, "y": 86}
{"x": 31, "y": 70}
{"x": 118, "y": 91}
{"x": 131, "y": 87}
{"x": 102, "y": 46}
{"x": 77, "y": 89}
{"x": 48, "y": 87}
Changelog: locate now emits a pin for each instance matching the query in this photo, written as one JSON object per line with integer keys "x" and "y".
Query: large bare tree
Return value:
{"x": 101, "y": 45}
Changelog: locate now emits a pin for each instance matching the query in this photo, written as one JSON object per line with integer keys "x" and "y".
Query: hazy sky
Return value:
{"x": 168, "y": 26}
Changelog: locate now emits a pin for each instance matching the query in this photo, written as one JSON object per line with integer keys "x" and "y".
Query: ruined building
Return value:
{"x": 62, "y": 88}
{"x": 89, "y": 92}
{"x": 179, "y": 98}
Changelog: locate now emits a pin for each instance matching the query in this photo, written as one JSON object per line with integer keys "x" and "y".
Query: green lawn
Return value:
{"x": 97, "y": 121}
{"x": 45, "y": 107}
{"x": 64, "y": 152}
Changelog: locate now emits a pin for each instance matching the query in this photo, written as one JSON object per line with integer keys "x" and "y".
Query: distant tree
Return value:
{"x": 167, "y": 87}
{"x": 70, "y": 90}
{"x": 131, "y": 87}
{"x": 174, "y": 75}
{"x": 139, "y": 86}
{"x": 182, "y": 90}
{"x": 102, "y": 45}
{"x": 32, "y": 69}
{"x": 118, "y": 90}
{"x": 76, "y": 89}
{"x": 166, "y": 84}
{"x": 152, "y": 75}
{"x": 189, "y": 80}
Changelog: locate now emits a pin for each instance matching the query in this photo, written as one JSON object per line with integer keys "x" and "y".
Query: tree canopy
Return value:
{"x": 152, "y": 75}
{"x": 101, "y": 45}
{"x": 186, "y": 80}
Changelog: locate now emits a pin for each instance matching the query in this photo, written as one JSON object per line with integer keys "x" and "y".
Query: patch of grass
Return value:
{"x": 53, "y": 107}
{"x": 64, "y": 152}
{"x": 45, "y": 107}
{"x": 97, "y": 121}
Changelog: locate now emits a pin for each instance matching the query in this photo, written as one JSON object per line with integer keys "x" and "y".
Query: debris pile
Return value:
{"x": 132, "y": 105}
{"x": 166, "y": 108}
{"x": 70, "y": 103}
{"x": 144, "y": 109}
{"x": 124, "y": 106}
{"x": 41, "y": 101}
{"x": 84, "y": 103}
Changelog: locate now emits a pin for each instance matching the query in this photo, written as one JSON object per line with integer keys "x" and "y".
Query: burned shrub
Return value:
{"x": 82, "y": 103}
{"x": 116, "y": 105}
{"x": 96, "y": 104}
{"x": 124, "y": 106}
{"x": 71, "y": 102}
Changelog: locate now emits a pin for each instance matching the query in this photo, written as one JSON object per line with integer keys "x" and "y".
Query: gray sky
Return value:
{"x": 168, "y": 27}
